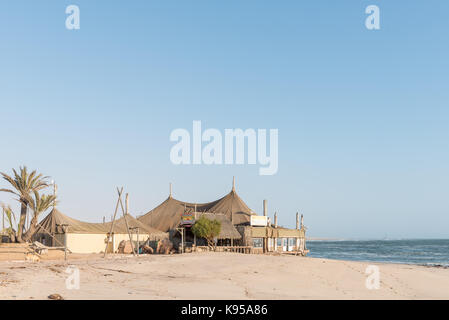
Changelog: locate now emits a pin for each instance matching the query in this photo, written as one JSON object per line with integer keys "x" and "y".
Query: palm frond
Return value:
{"x": 25, "y": 182}
{"x": 9, "y": 215}
{"x": 41, "y": 203}
{"x": 8, "y": 190}
{"x": 10, "y": 180}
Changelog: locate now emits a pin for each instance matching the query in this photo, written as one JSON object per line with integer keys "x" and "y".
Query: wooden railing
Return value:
{"x": 236, "y": 249}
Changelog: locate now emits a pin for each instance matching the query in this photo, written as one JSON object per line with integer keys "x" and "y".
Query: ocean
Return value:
{"x": 419, "y": 252}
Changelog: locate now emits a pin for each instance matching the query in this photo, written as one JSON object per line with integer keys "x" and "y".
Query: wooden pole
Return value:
{"x": 55, "y": 193}
{"x": 265, "y": 240}
{"x": 181, "y": 231}
{"x": 126, "y": 223}
{"x": 53, "y": 237}
{"x": 64, "y": 228}
{"x": 65, "y": 246}
{"x": 232, "y": 222}
{"x": 297, "y": 220}
{"x": 138, "y": 244}
{"x": 126, "y": 204}
{"x": 112, "y": 224}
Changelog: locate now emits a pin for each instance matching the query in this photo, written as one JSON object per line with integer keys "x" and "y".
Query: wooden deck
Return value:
{"x": 236, "y": 249}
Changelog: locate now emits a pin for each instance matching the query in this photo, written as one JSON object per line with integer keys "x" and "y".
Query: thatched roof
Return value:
{"x": 227, "y": 231}
{"x": 55, "y": 220}
{"x": 167, "y": 215}
{"x": 120, "y": 226}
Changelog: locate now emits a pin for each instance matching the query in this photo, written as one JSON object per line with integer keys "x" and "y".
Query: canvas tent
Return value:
{"x": 174, "y": 216}
{"x": 167, "y": 215}
{"x": 87, "y": 237}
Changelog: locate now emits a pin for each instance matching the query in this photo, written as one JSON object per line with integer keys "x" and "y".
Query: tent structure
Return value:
{"x": 167, "y": 215}
{"x": 55, "y": 222}
{"x": 87, "y": 237}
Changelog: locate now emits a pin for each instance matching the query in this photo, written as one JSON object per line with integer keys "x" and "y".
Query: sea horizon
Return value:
{"x": 425, "y": 252}
{"x": 370, "y": 239}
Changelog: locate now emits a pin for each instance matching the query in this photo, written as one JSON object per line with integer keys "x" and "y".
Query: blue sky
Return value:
{"x": 362, "y": 115}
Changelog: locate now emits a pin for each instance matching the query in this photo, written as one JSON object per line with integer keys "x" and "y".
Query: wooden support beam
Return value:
{"x": 126, "y": 222}
{"x": 297, "y": 220}
{"x": 112, "y": 224}
{"x": 53, "y": 237}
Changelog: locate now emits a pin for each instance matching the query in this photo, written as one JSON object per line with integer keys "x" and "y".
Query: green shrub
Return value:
{"x": 207, "y": 229}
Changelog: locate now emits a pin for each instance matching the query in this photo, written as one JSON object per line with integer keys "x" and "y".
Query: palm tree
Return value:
{"x": 24, "y": 184}
{"x": 39, "y": 204}
{"x": 10, "y": 216}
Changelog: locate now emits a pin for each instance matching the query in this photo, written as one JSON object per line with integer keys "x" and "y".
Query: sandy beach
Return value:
{"x": 216, "y": 276}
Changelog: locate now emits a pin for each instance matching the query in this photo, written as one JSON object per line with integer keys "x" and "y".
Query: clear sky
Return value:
{"x": 362, "y": 115}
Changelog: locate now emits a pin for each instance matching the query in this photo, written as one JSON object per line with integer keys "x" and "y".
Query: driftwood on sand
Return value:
{"x": 55, "y": 296}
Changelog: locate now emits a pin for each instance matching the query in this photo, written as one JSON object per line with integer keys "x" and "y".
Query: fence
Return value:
{"x": 236, "y": 249}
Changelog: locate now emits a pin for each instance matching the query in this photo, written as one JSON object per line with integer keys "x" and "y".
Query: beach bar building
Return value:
{"x": 265, "y": 237}
{"x": 60, "y": 230}
{"x": 241, "y": 226}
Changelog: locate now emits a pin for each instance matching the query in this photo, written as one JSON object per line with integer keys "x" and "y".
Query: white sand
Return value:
{"x": 218, "y": 276}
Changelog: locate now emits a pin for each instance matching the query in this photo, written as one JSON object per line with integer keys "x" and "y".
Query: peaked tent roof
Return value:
{"x": 167, "y": 215}
{"x": 55, "y": 219}
{"x": 120, "y": 227}
{"x": 234, "y": 208}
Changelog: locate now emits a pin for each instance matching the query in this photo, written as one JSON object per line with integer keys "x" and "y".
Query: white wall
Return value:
{"x": 96, "y": 243}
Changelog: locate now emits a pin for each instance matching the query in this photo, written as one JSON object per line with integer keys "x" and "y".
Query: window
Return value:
{"x": 258, "y": 242}
{"x": 291, "y": 242}
{"x": 279, "y": 242}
